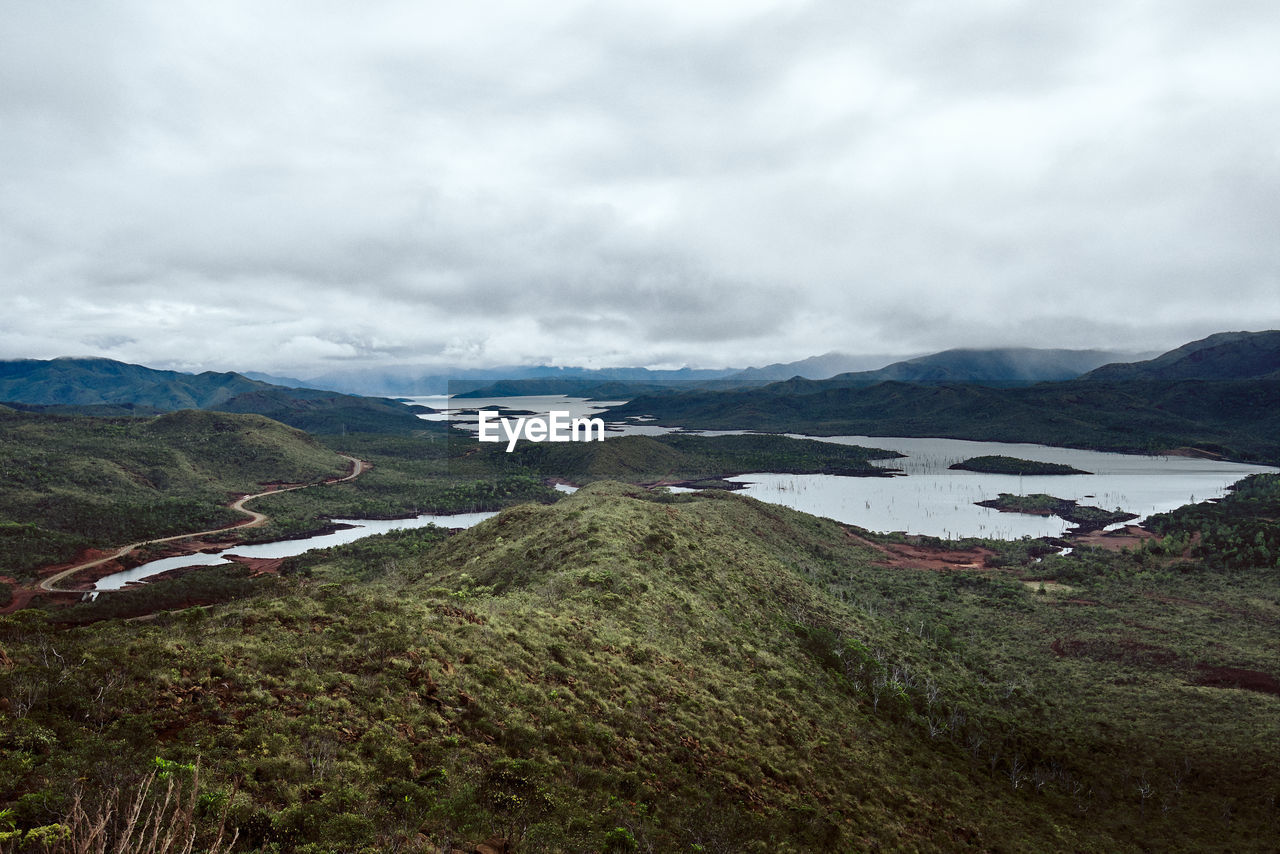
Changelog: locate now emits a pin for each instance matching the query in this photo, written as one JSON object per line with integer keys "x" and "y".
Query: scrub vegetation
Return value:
{"x": 72, "y": 482}
{"x": 623, "y": 669}
{"x": 629, "y": 670}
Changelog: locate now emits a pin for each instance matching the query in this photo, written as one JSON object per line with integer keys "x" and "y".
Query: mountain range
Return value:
{"x": 995, "y": 365}
{"x": 1223, "y": 399}
{"x": 408, "y": 380}
{"x": 814, "y": 367}
{"x": 105, "y": 387}
{"x": 991, "y": 366}
{"x": 1010, "y": 365}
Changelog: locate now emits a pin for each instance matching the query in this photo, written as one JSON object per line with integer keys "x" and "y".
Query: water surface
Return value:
{"x": 938, "y": 501}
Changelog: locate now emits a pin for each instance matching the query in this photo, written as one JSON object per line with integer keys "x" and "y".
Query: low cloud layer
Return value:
{"x": 298, "y": 188}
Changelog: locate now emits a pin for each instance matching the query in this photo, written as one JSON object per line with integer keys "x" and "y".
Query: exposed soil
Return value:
{"x": 933, "y": 558}
{"x": 21, "y": 596}
{"x": 1120, "y": 649}
{"x": 1236, "y": 677}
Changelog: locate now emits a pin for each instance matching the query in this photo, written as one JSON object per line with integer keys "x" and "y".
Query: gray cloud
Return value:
{"x": 283, "y": 186}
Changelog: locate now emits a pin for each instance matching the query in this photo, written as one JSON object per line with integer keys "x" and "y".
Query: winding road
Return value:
{"x": 358, "y": 467}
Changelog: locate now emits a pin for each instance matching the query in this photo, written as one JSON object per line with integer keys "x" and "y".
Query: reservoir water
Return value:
{"x": 933, "y": 499}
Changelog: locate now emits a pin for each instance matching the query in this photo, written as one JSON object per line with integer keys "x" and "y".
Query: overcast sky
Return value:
{"x": 303, "y": 187}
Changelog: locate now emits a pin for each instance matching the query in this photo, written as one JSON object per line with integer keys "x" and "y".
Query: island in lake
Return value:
{"x": 1013, "y": 465}
{"x": 1085, "y": 518}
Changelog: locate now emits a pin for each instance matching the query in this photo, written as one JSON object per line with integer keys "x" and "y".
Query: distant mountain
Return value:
{"x": 1238, "y": 419}
{"x": 400, "y": 381}
{"x": 595, "y": 389}
{"x": 1224, "y": 356}
{"x": 95, "y": 382}
{"x": 106, "y": 387}
{"x": 813, "y": 368}
{"x": 1219, "y": 396}
{"x": 574, "y": 386}
{"x": 287, "y": 382}
{"x": 1006, "y": 365}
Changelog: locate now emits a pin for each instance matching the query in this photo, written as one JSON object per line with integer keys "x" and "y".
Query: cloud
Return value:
{"x": 288, "y": 187}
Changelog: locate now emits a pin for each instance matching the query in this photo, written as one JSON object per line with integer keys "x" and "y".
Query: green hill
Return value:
{"x": 997, "y": 366}
{"x": 1224, "y": 356}
{"x": 89, "y": 382}
{"x": 997, "y": 464}
{"x": 74, "y": 481}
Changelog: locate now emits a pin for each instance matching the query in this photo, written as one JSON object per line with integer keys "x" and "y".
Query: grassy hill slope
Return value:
{"x": 630, "y": 671}
{"x": 71, "y": 482}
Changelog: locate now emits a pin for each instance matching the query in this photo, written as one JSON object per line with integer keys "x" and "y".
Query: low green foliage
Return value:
{"x": 626, "y": 670}
{"x": 1012, "y": 465}
{"x": 75, "y": 482}
{"x": 1084, "y": 517}
{"x": 677, "y": 457}
{"x": 1240, "y": 531}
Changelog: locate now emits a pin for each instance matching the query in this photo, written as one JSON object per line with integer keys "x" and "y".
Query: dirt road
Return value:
{"x": 358, "y": 467}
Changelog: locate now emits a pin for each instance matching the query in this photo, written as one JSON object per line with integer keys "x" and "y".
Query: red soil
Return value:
{"x": 1237, "y": 677}
{"x": 932, "y": 558}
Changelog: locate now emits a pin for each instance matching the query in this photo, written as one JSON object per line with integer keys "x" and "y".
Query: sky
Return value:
{"x": 310, "y": 187}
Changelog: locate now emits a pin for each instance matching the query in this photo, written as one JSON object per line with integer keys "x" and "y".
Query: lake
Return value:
{"x": 933, "y": 499}
{"x": 938, "y": 501}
